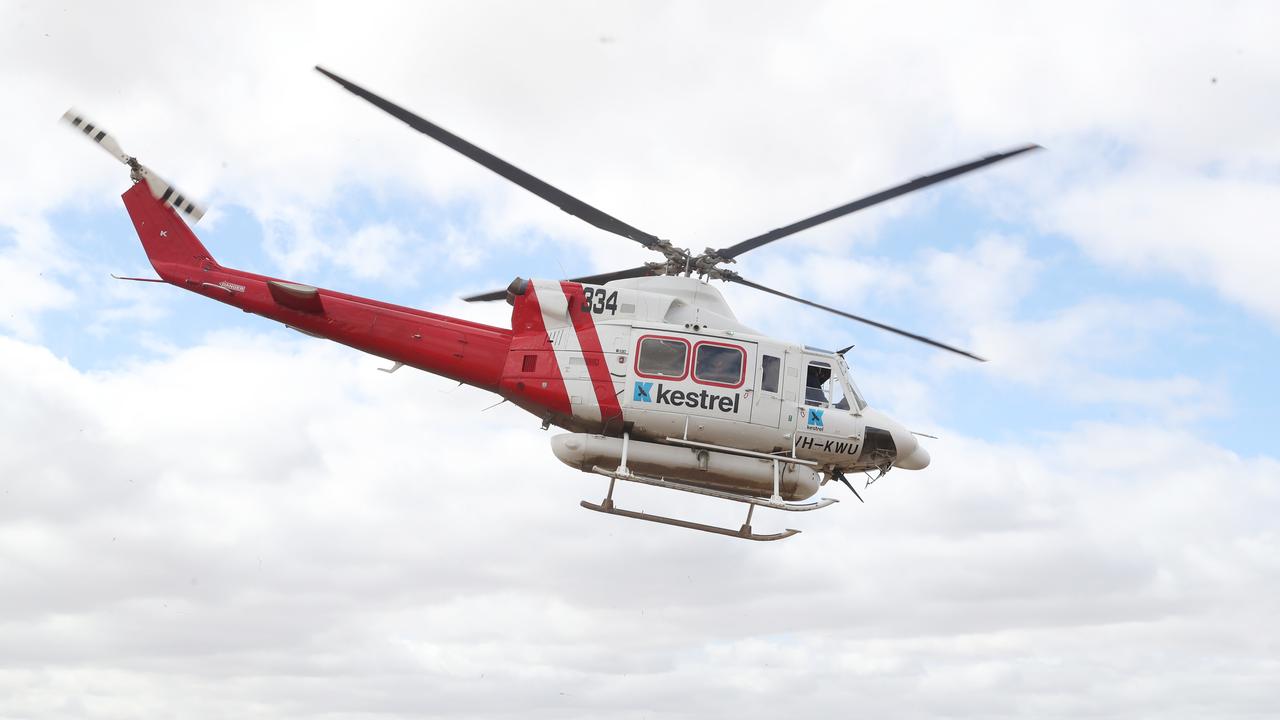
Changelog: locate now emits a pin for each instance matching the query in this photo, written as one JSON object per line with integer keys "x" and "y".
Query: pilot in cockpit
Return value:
{"x": 819, "y": 375}
{"x": 821, "y": 388}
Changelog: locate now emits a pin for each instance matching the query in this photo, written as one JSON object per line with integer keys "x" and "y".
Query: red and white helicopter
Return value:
{"x": 648, "y": 369}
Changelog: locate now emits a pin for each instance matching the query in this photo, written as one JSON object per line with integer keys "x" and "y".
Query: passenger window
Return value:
{"x": 718, "y": 364}
{"x": 770, "y": 369}
{"x": 663, "y": 357}
{"x": 816, "y": 383}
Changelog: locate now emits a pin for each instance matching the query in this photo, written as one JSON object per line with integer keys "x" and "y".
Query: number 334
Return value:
{"x": 598, "y": 300}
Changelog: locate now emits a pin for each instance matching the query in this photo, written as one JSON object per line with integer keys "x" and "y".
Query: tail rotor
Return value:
{"x": 164, "y": 191}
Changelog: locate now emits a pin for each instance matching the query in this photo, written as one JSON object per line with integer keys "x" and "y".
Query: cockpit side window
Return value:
{"x": 816, "y": 382}
{"x": 823, "y": 385}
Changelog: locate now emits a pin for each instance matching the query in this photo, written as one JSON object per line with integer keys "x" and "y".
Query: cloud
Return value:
{"x": 257, "y": 525}
{"x": 1205, "y": 228}
{"x": 264, "y": 523}
{"x": 1085, "y": 350}
{"x": 702, "y": 126}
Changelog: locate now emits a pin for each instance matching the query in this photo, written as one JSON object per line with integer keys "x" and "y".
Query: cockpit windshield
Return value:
{"x": 856, "y": 394}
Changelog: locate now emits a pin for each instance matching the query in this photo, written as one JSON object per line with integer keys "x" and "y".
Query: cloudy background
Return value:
{"x": 205, "y": 515}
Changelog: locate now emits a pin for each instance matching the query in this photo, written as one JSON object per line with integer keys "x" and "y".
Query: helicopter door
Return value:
{"x": 822, "y": 396}
{"x": 767, "y": 407}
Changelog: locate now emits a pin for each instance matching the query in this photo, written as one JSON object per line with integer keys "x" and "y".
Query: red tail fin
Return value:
{"x": 169, "y": 243}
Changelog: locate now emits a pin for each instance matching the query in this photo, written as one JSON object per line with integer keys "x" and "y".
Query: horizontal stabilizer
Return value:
{"x": 302, "y": 298}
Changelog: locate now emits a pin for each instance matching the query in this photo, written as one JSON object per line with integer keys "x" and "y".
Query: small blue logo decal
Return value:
{"x": 642, "y": 392}
{"x": 815, "y": 419}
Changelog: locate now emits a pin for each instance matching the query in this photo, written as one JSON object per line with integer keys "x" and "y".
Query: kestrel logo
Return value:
{"x": 814, "y": 420}
{"x": 645, "y": 392}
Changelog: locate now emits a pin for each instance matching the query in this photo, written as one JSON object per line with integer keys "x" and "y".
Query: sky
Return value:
{"x": 206, "y": 515}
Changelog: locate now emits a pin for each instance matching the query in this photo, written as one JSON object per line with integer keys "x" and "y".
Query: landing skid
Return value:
{"x": 722, "y": 495}
{"x": 744, "y": 532}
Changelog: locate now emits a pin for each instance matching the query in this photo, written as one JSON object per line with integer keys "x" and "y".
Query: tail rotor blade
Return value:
{"x": 96, "y": 133}
{"x": 170, "y": 195}
{"x": 160, "y": 188}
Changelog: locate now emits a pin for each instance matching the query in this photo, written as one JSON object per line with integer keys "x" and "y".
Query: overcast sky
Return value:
{"x": 204, "y": 515}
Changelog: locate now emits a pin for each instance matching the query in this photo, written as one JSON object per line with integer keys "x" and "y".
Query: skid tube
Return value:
{"x": 745, "y": 532}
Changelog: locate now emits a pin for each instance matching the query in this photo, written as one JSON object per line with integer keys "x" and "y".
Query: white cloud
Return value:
{"x": 1207, "y": 229}
{"x": 264, "y": 526}
{"x": 987, "y": 280}
{"x": 705, "y": 126}
{"x": 257, "y": 526}
{"x": 1079, "y": 352}
{"x": 31, "y": 276}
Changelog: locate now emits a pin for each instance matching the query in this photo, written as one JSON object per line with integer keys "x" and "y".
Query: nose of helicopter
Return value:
{"x": 917, "y": 459}
{"x": 911, "y": 454}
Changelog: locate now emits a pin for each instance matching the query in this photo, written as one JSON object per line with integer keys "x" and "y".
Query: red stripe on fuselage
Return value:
{"x": 589, "y": 340}
{"x": 531, "y": 337}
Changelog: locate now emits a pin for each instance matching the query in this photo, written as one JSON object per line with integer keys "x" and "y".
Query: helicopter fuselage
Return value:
{"x": 664, "y": 358}
{"x": 659, "y": 359}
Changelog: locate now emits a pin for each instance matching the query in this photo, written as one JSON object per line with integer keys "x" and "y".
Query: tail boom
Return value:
{"x": 469, "y": 352}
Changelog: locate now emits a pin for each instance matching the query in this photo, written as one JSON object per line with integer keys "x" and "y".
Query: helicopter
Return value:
{"x": 652, "y": 376}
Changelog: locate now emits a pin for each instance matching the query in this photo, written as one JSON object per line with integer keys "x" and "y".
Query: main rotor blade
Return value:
{"x": 488, "y": 296}
{"x": 551, "y": 194}
{"x": 921, "y": 182}
{"x": 851, "y": 316}
{"x": 600, "y": 279}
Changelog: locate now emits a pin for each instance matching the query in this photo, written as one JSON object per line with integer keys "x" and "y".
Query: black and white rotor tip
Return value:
{"x": 160, "y": 188}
